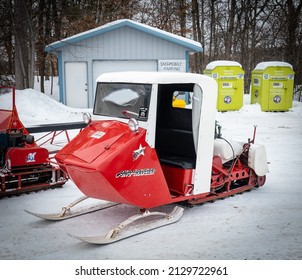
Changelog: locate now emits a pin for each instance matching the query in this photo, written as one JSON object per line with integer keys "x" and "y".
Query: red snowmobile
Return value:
{"x": 24, "y": 166}
{"x": 156, "y": 142}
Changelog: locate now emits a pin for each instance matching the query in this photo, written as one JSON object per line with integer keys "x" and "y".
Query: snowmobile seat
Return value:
{"x": 175, "y": 148}
{"x": 174, "y": 138}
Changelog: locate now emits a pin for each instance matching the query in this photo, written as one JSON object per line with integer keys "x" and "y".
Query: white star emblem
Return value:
{"x": 139, "y": 152}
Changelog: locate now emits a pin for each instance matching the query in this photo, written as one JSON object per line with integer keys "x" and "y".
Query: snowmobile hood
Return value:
{"x": 108, "y": 161}
{"x": 94, "y": 140}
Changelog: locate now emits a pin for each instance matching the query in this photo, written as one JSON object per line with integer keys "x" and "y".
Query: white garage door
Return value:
{"x": 76, "y": 84}
{"x": 100, "y": 67}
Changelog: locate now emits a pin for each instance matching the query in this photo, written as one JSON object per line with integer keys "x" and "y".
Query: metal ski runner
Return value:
{"x": 66, "y": 212}
{"x": 120, "y": 232}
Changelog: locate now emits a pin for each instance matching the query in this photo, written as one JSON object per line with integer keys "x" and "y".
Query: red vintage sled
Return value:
{"x": 24, "y": 166}
{"x": 157, "y": 144}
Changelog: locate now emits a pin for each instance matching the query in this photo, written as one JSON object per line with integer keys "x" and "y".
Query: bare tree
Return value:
{"x": 230, "y": 30}
{"x": 24, "y": 43}
{"x": 292, "y": 33}
{"x": 182, "y": 11}
{"x": 198, "y": 33}
{"x": 6, "y": 43}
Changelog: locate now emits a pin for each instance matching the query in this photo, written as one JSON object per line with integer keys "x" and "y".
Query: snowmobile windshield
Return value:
{"x": 122, "y": 100}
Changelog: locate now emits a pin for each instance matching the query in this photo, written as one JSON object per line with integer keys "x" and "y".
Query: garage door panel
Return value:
{"x": 76, "y": 84}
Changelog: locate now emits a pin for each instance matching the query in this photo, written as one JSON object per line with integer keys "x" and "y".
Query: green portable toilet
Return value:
{"x": 229, "y": 76}
{"x": 272, "y": 85}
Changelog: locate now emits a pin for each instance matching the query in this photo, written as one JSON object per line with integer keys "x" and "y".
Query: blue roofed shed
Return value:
{"x": 121, "y": 45}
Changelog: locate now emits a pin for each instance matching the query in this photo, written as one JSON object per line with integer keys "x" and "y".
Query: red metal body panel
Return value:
{"x": 108, "y": 161}
{"x": 179, "y": 180}
{"x": 9, "y": 119}
{"x": 23, "y": 156}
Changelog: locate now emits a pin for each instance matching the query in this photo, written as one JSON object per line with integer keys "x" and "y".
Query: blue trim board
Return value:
{"x": 61, "y": 78}
{"x": 187, "y": 61}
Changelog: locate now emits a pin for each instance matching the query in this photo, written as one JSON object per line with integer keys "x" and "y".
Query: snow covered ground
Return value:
{"x": 263, "y": 224}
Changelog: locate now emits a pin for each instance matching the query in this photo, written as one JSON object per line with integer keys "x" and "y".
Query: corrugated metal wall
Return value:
{"x": 124, "y": 43}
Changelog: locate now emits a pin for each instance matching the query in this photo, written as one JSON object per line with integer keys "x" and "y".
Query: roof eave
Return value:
{"x": 196, "y": 47}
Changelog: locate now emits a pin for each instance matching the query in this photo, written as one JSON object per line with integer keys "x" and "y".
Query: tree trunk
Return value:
{"x": 291, "y": 48}
{"x": 212, "y": 30}
{"x": 182, "y": 17}
{"x": 24, "y": 45}
{"x": 230, "y": 32}
{"x": 40, "y": 43}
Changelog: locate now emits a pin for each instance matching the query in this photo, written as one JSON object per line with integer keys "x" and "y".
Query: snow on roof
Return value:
{"x": 264, "y": 65}
{"x": 212, "y": 65}
{"x": 188, "y": 43}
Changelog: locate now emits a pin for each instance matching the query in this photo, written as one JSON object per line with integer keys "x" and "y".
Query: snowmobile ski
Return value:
{"x": 66, "y": 212}
{"x": 119, "y": 232}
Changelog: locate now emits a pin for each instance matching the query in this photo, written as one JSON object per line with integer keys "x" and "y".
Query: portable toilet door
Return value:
{"x": 229, "y": 76}
{"x": 273, "y": 86}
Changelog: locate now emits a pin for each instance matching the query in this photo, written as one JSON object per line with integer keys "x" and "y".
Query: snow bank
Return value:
{"x": 35, "y": 107}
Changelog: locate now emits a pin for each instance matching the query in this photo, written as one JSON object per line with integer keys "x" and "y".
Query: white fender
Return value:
{"x": 257, "y": 159}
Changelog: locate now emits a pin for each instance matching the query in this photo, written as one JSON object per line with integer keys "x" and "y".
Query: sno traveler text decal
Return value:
{"x": 135, "y": 172}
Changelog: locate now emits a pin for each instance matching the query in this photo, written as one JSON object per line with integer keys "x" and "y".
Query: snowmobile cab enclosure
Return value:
{"x": 154, "y": 141}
